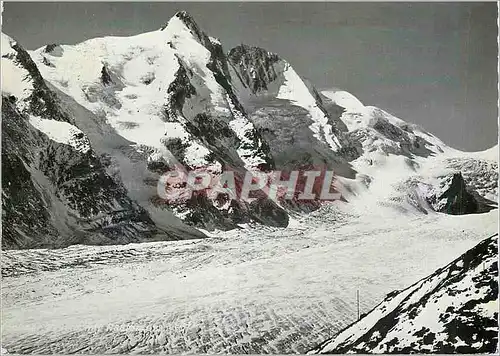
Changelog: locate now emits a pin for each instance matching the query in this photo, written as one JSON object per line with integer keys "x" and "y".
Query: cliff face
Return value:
{"x": 104, "y": 120}
{"x": 138, "y": 122}
{"x": 255, "y": 67}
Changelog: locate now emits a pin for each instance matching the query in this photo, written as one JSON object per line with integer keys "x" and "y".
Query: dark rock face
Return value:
{"x": 459, "y": 318}
{"x": 54, "y": 195}
{"x": 254, "y": 66}
{"x": 105, "y": 77}
{"x": 286, "y": 128}
{"x": 181, "y": 90}
{"x": 460, "y": 201}
{"x": 42, "y": 102}
{"x": 480, "y": 176}
{"x": 219, "y": 139}
{"x": 176, "y": 148}
{"x": 217, "y": 136}
{"x": 202, "y": 213}
{"x": 47, "y": 62}
{"x": 50, "y": 47}
{"x": 266, "y": 212}
{"x": 212, "y": 129}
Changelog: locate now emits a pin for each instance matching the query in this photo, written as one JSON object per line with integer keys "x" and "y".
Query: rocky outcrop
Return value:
{"x": 55, "y": 189}
{"x": 105, "y": 77}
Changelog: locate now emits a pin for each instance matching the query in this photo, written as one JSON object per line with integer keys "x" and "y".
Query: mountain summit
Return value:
{"x": 454, "y": 310}
{"x": 135, "y": 108}
{"x": 100, "y": 141}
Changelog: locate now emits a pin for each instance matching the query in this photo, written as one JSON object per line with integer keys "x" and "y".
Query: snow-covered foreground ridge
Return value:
{"x": 454, "y": 310}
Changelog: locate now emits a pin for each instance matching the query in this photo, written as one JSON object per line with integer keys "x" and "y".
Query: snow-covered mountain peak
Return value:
{"x": 127, "y": 79}
{"x": 182, "y": 25}
{"x": 6, "y": 44}
{"x": 168, "y": 92}
{"x": 381, "y": 132}
{"x": 454, "y": 310}
{"x": 183, "y": 19}
{"x": 345, "y": 99}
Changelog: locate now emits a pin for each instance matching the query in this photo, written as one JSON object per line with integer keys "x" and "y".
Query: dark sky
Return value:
{"x": 434, "y": 64}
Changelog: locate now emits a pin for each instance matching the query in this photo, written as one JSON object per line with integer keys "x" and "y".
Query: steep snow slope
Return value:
{"x": 126, "y": 164}
{"x": 379, "y": 131}
{"x": 288, "y": 111}
{"x": 454, "y": 310}
{"x": 345, "y": 100}
{"x": 295, "y": 90}
{"x": 140, "y": 70}
{"x": 402, "y": 166}
{"x": 15, "y": 79}
{"x": 62, "y": 132}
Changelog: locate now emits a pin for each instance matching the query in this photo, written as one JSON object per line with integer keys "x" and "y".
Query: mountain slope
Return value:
{"x": 55, "y": 189}
{"x": 402, "y": 166}
{"x": 172, "y": 100}
{"x": 379, "y": 131}
{"x": 454, "y": 310}
{"x": 182, "y": 102}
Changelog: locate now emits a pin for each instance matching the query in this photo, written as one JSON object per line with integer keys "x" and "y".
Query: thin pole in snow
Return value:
{"x": 357, "y": 300}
